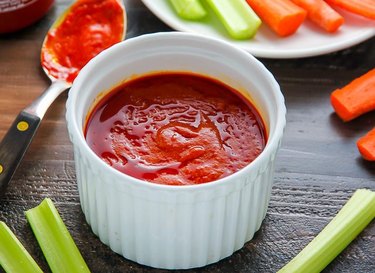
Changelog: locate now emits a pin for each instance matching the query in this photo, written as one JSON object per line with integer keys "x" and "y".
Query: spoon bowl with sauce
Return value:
{"x": 80, "y": 33}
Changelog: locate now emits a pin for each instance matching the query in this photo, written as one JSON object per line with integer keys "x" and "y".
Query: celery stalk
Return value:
{"x": 189, "y": 9}
{"x": 14, "y": 258}
{"x": 54, "y": 239}
{"x": 237, "y": 17}
{"x": 356, "y": 214}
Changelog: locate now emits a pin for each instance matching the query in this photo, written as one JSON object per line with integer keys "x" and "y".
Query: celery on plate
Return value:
{"x": 14, "y": 258}
{"x": 354, "y": 216}
{"x": 54, "y": 239}
{"x": 189, "y": 9}
{"x": 237, "y": 17}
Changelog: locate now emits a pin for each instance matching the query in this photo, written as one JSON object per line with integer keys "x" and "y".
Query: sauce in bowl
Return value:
{"x": 175, "y": 129}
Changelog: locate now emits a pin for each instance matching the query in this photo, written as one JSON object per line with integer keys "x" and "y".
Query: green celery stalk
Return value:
{"x": 54, "y": 239}
{"x": 237, "y": 17}
{"x": 354, "y": 216}
{"x": 189, "y": 9}
{"x": 14, "y": 258}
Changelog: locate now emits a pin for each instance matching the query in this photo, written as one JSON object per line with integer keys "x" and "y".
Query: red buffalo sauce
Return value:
{"x": 175, "y": 129}
{"x": 89, "y": 27}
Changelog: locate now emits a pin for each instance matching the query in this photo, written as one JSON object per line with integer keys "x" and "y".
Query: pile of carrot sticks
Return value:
{"x": 284, "y": 17}
{"x": 353, "y": 100}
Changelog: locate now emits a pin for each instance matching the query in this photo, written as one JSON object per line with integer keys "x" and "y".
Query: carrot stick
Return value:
{"x": 282, "y": 16}
{"x": 356, "y": 98}
{"x": 321, "y": 14}
{"x": 364, "y": 8}
{"x": 366, "y": 145}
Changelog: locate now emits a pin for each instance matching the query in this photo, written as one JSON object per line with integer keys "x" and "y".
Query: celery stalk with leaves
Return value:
{"x": 55, "y": 240}
{"x": 354, "y": 216}
{"x": 14, "y": 258}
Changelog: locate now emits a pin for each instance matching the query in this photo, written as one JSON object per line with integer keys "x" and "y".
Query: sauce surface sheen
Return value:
{"x": 175, "y": 129}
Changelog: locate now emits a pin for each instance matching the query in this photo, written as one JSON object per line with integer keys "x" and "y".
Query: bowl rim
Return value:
{"x": 273, "y": 140}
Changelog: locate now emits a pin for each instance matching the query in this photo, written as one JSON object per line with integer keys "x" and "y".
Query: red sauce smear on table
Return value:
{"x": 89, "y": 27}
{"x": 175, "y": 129}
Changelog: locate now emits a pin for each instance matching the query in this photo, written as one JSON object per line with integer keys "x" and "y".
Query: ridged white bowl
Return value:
{"x": 164, "y": 226}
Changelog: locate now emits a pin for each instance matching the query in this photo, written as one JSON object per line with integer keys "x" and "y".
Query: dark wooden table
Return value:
{"x": 318, "y": 167}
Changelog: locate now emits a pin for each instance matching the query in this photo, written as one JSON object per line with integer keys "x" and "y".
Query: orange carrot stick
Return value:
{"x": 356, "y": 98}
{"x": 364, "y": 8}
{"x": 366, "y": 145}
{"x": 321, "y": 14}
{"x": 282, "y": 16}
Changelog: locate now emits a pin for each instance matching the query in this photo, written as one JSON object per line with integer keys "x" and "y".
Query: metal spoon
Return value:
{"x": 19, "y": 136}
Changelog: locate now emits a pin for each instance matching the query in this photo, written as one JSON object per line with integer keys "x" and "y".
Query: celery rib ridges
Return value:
{"x": 355, "y": 215}
{"x": 14, "y": 258}
{"x": 189, "y": 9}
{"x": 55, "y": 240}
{"x": 237, "y": 17}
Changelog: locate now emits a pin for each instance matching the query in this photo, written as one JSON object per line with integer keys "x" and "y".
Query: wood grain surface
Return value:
{"x": 318, "y": 167}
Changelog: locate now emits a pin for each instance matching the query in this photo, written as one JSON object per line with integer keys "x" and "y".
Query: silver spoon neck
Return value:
{"x": 41, "y": 104}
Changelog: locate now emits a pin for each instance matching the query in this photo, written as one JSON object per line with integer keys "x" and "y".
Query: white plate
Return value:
{"x": 309, "y": 40}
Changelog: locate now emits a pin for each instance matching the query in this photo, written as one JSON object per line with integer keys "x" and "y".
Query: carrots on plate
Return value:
{"x": 319, "y": 12}
{"x": 364, "y": 8}
{"x": 366, "y": 145}
{"x": 356, "y": 98}
{"x": 282, "y": 16}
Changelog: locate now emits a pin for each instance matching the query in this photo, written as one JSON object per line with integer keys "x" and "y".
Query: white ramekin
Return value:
{"x": 174, "y": 227}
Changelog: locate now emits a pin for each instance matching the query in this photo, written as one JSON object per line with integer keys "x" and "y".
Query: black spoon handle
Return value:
{"x": 21, "y": 133}
{"x": 14, "y": 145}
